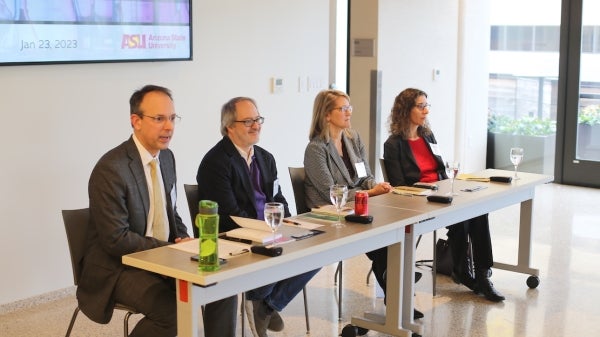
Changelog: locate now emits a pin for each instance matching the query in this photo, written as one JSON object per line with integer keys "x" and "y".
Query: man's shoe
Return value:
{"x": 417, "y": 314}
{"x": 259, "y": 316}
{"x": 486, "y": 287}
{"x": 276, "y": 322}
{"x": 465, "y": 279}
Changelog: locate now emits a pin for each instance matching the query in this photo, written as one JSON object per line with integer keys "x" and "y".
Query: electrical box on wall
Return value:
{"x": 276, "y": 85}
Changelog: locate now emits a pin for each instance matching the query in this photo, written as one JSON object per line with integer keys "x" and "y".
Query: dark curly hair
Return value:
{"x": 400, "y": 116}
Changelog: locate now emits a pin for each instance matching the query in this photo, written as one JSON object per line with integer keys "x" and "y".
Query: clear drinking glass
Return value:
{"x": 338, "y": 195}
{"x": 516, "y": 156}
{"x": 452, "y": 168}
{"x": 273, "y": 217}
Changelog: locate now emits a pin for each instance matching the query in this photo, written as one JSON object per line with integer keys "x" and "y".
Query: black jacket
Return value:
{"x": 223, "y": 177}
{"x": 400, "y": 163}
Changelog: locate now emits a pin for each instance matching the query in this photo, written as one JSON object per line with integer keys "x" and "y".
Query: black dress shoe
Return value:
{"x": 417, "y": 314}
{"x": 486, "y": 287}
{"x": 465, "y": 279}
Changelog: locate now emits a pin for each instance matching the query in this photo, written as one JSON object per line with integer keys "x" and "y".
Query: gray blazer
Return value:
{"x": 324, "y": 167}
{"x": 119, "y": 204}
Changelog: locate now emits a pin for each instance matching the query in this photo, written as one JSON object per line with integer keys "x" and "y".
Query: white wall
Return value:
{"x": 59, "y": 119}
{"x": 412, "y": 39}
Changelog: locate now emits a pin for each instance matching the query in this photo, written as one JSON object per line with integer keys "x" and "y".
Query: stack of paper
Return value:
{"x": 410, "y": 190}
{"x": 331, "y": 211}
{"x": 253, "y": 230}
{"x": 472, "y": 177}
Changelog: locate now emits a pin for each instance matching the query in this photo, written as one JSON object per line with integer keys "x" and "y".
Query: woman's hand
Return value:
{"x": 381, "y": 188}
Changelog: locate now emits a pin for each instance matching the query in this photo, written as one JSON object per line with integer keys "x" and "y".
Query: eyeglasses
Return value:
{"x": 344, "y": 108}
{"x": 423, "y": 106}
{"x": 249, "y": 122}
{"x": 160, "y": 119}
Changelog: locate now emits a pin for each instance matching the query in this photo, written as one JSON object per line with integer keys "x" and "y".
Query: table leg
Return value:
{"x": 524, "y": 255}
{"x": 187, "y": 311}
{"x": 392, "y": 322}
{"x": 408, "y": 305}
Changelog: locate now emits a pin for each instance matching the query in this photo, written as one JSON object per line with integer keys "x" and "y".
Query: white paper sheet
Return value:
{"x": 227, "y": 249}
{"x": 260, "y": 225}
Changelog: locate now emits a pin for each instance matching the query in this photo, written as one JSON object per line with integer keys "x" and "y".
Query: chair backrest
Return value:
{"x": 383, "y": 170}
{"x": 297, "y": 175}
{"x": 191, "y": 193}
{"x": 76, "y": 225}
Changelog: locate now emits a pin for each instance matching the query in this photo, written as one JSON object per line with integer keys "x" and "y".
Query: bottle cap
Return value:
{"x": 208, "y": 207}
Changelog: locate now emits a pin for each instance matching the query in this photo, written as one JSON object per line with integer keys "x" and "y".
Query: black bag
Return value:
{"x": 444, "y": 264}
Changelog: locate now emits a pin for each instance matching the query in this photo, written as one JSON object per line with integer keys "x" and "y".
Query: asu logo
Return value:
{"x": 133, "y": 41}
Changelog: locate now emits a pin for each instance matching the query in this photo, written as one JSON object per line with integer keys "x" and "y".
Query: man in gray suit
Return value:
{"x": 124, "y": 219}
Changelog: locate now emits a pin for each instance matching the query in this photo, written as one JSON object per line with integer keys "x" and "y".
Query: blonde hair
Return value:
{"x": 324, "y": 103}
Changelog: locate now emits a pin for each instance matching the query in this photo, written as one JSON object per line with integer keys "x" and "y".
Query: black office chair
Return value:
{"x": 433, "y": 261}
{"x": 297, "y": 176}
{"x": 191, "y": 193}
{"x": 76, "y": 224}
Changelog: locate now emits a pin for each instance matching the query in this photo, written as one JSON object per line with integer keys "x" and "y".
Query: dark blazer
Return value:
{"x": 119, "y": 204}
{"x": 223, "y": 177}
{"x": 400, "y": 163}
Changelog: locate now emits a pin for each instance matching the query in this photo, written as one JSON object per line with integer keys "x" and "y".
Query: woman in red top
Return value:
{"x": 411, "y": 155}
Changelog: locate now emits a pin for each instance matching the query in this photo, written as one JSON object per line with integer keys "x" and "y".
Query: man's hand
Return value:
{"x": 178, "y": 240}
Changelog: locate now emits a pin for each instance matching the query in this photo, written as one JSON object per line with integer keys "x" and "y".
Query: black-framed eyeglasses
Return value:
{"x": 344, "y": 108}
{"x": 423, "y": 106}
{"x": 249, "y": 122}
{"x": 160, "y": 119}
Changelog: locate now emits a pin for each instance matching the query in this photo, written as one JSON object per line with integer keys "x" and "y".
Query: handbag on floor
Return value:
{"x": 444, "y": 264}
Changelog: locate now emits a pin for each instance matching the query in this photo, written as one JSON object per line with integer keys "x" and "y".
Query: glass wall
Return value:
{"x": 523, "y": 83}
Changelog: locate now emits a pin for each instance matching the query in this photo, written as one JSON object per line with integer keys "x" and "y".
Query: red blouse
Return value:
{"x": 425, "y": 160}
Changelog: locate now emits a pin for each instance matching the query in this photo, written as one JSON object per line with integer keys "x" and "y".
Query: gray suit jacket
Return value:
{"x": 324, "y": 167}
{"x": 119, "y": 204}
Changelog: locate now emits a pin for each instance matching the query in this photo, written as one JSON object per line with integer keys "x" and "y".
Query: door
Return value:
{"x": 581, "y": 158}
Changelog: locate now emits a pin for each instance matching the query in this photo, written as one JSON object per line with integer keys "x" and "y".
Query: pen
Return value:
{"x": 291, "y": 222}
{"x": 230, "y": 238}
{"x": 243, "y": 251}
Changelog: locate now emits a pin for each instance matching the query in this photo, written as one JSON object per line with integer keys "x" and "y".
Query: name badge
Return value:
{"x": 361, "y": 171}
{"x": 275, "y": 187}
{"x": 435, "y": 149}
{"x": 173, "y": 197}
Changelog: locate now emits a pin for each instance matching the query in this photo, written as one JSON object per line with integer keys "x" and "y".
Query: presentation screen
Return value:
{"x": 85, "y": 31}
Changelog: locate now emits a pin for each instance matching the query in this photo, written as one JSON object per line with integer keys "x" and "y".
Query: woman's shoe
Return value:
{"x": 486, "y": 287}
{"x": 466, "y": 279}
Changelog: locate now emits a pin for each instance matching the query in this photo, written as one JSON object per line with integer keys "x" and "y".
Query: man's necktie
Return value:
{"x": 159, "y": 226}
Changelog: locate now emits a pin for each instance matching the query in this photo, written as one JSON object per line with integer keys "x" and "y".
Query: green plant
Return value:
{"x": 527, "y": 126}
{"x": 589, "y": 115}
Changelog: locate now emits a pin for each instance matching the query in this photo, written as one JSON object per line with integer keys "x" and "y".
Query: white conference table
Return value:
{"x": 466, "y": 205}
{"x": 249, "y": 271}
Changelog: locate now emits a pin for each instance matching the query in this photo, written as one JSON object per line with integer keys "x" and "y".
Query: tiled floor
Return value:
{"x": 566, "y": 249}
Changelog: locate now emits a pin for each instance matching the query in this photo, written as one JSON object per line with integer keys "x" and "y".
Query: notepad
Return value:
{"x": 472, "y": 177}
{"x": 410, "y": 190}
{"x": 330, "y": 210}
{"x": 252, "y": 229}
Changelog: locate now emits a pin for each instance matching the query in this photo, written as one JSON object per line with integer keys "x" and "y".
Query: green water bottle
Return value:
{"x": 207, "y": 221}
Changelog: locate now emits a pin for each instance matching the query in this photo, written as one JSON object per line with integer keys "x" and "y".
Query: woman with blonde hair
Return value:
{"x": 337, "y": 155}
